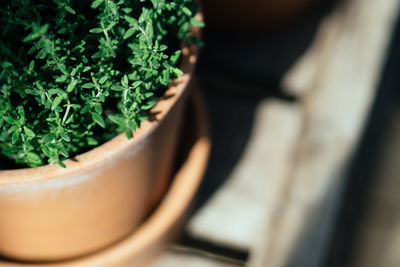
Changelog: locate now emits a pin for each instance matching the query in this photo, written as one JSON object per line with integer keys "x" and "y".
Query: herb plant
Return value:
{"x": 75, "y": 73}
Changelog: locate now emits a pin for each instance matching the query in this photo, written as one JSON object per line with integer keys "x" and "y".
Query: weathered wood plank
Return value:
{"x": 378, "y": 239}
{"x": 234, "y": 215}
{"x": 181, "y": 258}
{"x": 342, "y": 69}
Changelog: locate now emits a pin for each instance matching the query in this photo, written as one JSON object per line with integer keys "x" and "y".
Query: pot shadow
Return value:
{"x": 260, "y": 60}
{"x": 152, "y": 116}
{"x": 231, "y": 120}
{"x": 236, "y": 73}
{"x": 167, "y": 96}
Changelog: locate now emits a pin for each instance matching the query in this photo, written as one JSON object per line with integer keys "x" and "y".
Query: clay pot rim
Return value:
{"x": 158, "y": 225}
{"x": 119, "y": 144}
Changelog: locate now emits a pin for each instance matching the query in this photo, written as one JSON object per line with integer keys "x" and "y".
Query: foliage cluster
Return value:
{"x": 74, "y": 73}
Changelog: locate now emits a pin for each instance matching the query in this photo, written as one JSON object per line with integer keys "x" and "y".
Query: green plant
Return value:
{"x": 75, "y": 73}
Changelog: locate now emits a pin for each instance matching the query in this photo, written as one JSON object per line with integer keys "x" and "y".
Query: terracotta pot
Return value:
{"x": 153, "y": 236}
{"x": 251, "y": 16}
{"x": 51, "y": 213}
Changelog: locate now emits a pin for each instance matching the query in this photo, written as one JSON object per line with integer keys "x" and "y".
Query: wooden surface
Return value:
{"x": 234, "y": 214}
{"x": 378, "y": 239}
{"x": 344, "y": 67}
{"x": 183, "y": 257}
{"x": 280, "y": 200}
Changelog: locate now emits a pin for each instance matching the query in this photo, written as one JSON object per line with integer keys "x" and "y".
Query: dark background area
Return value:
{"x": 236, "y": 72}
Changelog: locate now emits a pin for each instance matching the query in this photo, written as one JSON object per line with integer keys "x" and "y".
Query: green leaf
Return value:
{"x": 149, "y": 105}
{"x": 87, "y": 68}
{"x": 65, "y": 136}
{"x": 154, "y": 2}
{"x": 34, "y": 158}
{"x": 71, "y": 86}
{"x": 61, "y": 164}
{"x": 39, "y": 86}
{"x": 98, "y": 108}
{"x": 56, "y": 102}
{"x": 63, "y": 151}
{"x": 15, "y": 136}
{"x": 87, "y": 85}
{"x": 31, "y": 37}
{"x": 6, "y": 64}
{"x": 130, "y": 20}
{"x": 144, "y": 16}
{"x": 132, "y": 125}
{"x": 10, "y": 120}
{"x": 177, "y": 71}
{"x": 129, "y": 32}
{"x": 28, "y": 132}
{"x": 70, "y": 10}
{"x": 196, "y": 22}
{"x": 43, "y": 29}
{"x": 73, "y": 72}
{"x": 165, "y": 77}
{"x": 117, "y": 88}
{"x": 31, "y": 65}
{"x": 47, "y": 138}
{"x": 175, "y": 56}
{"x": 136, "y": 84}
{"x": 60, "y": 79}
{"x": 127, "y": 10}
{"x": 186, "y": 11}
{"x": 96, "y": 3}
{"x": 125, "y": 80}
{"x": 143, "y": 118}
{"x": 96, "y": 30}
{"x": 103, "y": 79}
{"x": 116, "y": 119}
{"x": 91, "y": 141}
{"x": 128, "y": 133}
{"x": 98, "y": 119}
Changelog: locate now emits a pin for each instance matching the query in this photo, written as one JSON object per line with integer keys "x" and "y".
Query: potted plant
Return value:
{"x": 91, "y": 98}
{"x": 163, "y": 225}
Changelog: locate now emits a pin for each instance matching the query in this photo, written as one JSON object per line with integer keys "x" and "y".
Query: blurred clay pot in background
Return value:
{"x": 252, "y": 16}
{"x": 50, "y": 213}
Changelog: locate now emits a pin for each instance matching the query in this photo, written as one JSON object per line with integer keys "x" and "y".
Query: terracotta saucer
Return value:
{"x": 164, "y": 224}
